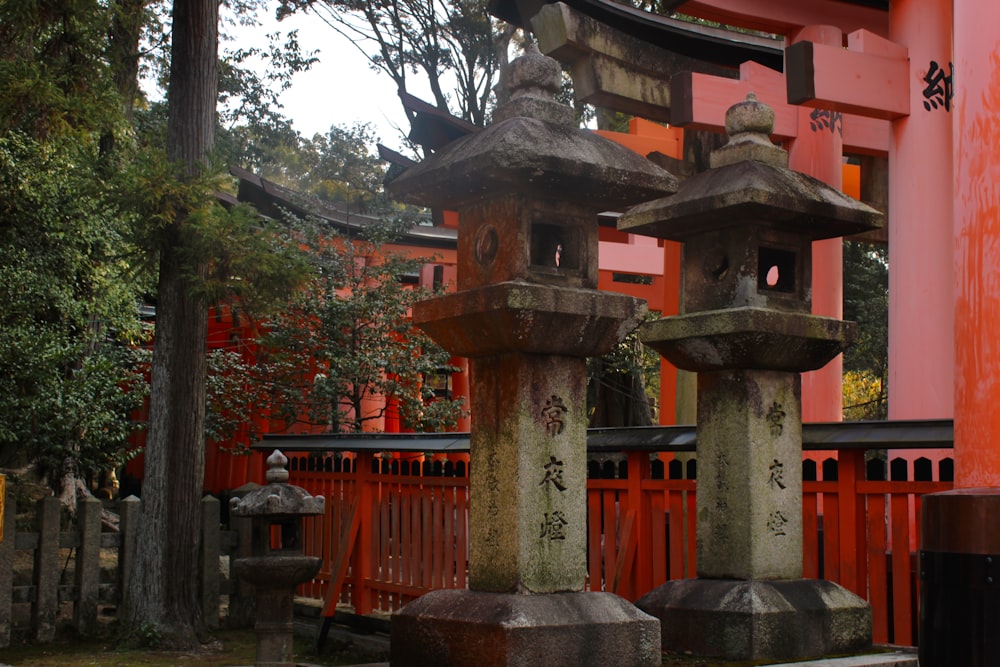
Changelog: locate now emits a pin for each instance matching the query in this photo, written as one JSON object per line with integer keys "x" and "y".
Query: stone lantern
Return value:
{"x": 278, "y": 565}
{"x": 747, "y": 225}
{"x": 528, "y": 190}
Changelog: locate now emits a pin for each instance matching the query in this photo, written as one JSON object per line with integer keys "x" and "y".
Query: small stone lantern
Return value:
{"x": 747, "y": 225}
{"x": 278, "y": 564}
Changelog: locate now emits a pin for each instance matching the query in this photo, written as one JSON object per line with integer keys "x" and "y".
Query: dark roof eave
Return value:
{"x": 826, "y": 436}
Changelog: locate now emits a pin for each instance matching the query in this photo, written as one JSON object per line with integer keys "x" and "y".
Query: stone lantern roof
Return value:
{"x": 533, "y": 148}
{"x": 747, "y": 225}
{"x": 749, "y": 183}
{"x": 277, "y": 498}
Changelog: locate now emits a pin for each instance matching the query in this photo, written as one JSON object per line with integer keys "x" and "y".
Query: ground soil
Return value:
{"x": 228, "y": 647}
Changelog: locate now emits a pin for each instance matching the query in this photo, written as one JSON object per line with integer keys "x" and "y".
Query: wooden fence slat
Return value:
{"x": 426, "y": 535}
{"x": 448, "y": 562}
{"x": 691, "y": 564}
{"x": 831, "y": 537}
{"x": 405, "y": 539}
{"x": 594, "y": 538}
{"x": 877, "y": 548}
{"x": 344, "y": 552}
{"x": 658, "y": 540}
{"x": 610, "y": 530}
{"x": 677, "y": 546}
{"x": 462, "y": 539}
{"x": 810, "y": 532}
{"x": 437, "y": 539}
{"x": 901, "y": 597}
{"x": 626, "y": 555}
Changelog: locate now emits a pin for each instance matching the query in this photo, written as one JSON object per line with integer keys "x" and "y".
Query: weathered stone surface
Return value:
{"x": 521, "y": 317}
{"x": 752, "y": 192}
{"x": 747, "y": 225}
{"x": 277, "y": 571}
{"x": 528, "y": 516}
{"x": 527, "y": 191}
{"x": 749, "y": 475}
{"x": 611, "y": 69}
{"x": 533, "y": 157}
{"x": 774, "y": 620}
{"x": 748, "y": 338}
{"x": 475, "y": 629}
{"x": 277, "y": 499}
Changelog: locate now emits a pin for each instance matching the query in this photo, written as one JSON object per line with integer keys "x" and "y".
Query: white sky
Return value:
{"x": 340, "y": 89}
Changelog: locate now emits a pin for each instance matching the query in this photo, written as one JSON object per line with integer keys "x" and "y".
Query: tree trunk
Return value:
{"x": 163, "y": 598}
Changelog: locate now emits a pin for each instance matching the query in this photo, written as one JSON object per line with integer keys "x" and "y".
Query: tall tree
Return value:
{"x": 165, "y": 602}
{"x": 438, "y": 40}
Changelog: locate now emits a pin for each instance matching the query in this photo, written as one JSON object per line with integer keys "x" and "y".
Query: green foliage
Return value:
{"x": 68, "y": 316}
{"x": 623, "y": 384}
{"x": 866, "y": 301}
{"x": 344, "y": 347}
{"x": 53, "y": 76}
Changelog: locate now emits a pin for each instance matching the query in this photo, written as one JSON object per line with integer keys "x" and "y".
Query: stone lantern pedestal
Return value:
{"x": 747, "y": 225}
{"x": 527, "y": 313}
{"x": 277, "y": 565}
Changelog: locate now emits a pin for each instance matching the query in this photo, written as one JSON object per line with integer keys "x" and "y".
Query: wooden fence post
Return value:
{"x": 242, "y": 601}
{"x": 46, "y": 604}
{"x": 128, "y": 523}
{"x": 210, "y": 560}
{"x": 7, "y": 568}
{"x": 88, "y": 565}
{"x": 362, "y": 595}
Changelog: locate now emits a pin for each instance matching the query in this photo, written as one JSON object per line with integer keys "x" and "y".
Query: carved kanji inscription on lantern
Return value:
{"x": 776, "y": 418}
{"x": 776, "y": 479}
{"x": 553, "y": 475}
{"x": 554, "y": 414}
{"x": 554, "y": 526}
{"x": 776, "y": 523}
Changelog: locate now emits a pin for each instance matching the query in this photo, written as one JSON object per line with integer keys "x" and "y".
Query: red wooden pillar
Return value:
{"x": 977, "y": 244}
{"x": 818, "y": 150}
{"x": 921, "y": 299}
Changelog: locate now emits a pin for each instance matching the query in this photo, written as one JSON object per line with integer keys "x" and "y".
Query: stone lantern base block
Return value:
{"x": 463, "y": 628}
{"x": 759, "y": 619}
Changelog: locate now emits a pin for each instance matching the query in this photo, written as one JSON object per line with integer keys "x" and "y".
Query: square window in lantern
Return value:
{"x": 775, "y": 270}
{"x": 554, "y": 247}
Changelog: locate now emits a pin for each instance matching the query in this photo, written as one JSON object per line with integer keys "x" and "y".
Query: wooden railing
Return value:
{"x": 46, "y": 570}
{"x": 397, "y": 526}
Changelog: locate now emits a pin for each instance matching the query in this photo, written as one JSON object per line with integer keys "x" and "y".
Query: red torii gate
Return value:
{"x": 817, "y": 141}
{"x": 908, "y": 81}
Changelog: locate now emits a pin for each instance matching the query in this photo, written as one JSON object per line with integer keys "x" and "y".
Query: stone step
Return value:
{"x": 900, "y": 659}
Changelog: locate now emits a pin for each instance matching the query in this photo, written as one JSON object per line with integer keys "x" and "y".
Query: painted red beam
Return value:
{"x": 874, "y": 84}
{"x": 784, "y": 17}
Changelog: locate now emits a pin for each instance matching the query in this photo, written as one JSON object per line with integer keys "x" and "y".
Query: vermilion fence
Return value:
{"x": 396, "y": 525}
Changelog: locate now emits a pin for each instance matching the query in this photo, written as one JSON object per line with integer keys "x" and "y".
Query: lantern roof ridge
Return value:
{"x": 277, "y": 498}
{"x": 749, "y": 184}
{"x": 533, "y": 148}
